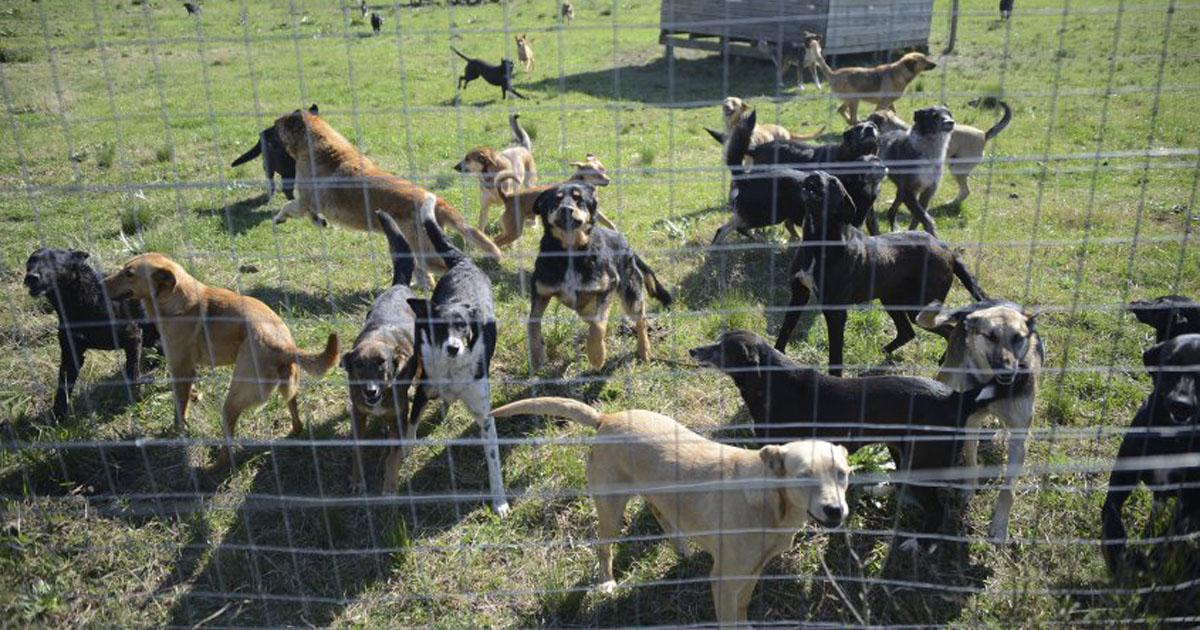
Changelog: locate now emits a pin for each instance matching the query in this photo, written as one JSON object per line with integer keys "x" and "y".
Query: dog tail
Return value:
{"x": 319, "y": 363}
{"x": 999, "y": 126}
{"x": 716, "y": 135}
{"x": 249, "y": 155}
{"x": 573, "y": 410}
{"x": 519, "y": 135}
{"x": 460, "y": 54}
{"x": 965, "y": 277}
{"x": 402, "y": 256}
{"x": 448, "y": 215}
{"x": 655, "y": 287}
{"x": 449, "y": 253}
{"x": 805, "y": 137}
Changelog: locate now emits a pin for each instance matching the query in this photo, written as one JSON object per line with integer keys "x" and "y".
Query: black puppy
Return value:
{"x": 1167, "y": 425}
{"x": 1169, "y": 315}
{"x": 499, "y": 76}
{"x": 918, "y": 419}
{"x": 87, "y": 319}
{"x": 1006, "y": 7}
{"x": 275, "y": 158}
{"x": 843, "y": 266}
{"x": 914, "y": 159}
{"x": 456, "y": 338}
{"x": 376, "y": 22}
{"x": 192, "y": 9}
{"x": 381, "y": 366}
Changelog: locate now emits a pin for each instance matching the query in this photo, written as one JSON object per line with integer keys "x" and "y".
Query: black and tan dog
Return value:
{"x": 585, "y": 266}
{"x": 842, "y": 266}
{"x": 1165, "y": 431}
{"x": 87, "y": 319}
{"x": 499, "y": 75}
{"x": 381, "y": 366}
{"x": 275, "y": 159}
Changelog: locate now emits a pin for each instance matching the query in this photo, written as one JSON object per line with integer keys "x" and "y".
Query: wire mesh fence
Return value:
{"x": 1022, "y": 439}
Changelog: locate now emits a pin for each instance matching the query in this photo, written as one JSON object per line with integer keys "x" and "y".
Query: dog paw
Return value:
{"x": 607, "y": 588}
{"x": 501, "y": 509}
{"x": 912, "y": 545}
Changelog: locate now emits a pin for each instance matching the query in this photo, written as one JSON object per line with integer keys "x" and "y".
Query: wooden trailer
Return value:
{"x": 845, "y": 26}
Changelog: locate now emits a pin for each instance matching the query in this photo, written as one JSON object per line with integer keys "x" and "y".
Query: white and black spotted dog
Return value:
{"x": 455, "y": 339}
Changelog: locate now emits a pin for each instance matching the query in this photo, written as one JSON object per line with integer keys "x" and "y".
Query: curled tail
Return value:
{"x": 249, "y": 155}
{"x": 999, "y": 126}
{"x": 805, "y": 137}
{"x": 460, "y": 54}
{"x": 519, "y": 135}
{"x": 318, "y": 364}
{"x": 402, "y": 256}
{"x": 655, "y": 287}
{"x": 965, "y": 277}
{"x": 447, "y": 215}
{"x": 549, "y": 406}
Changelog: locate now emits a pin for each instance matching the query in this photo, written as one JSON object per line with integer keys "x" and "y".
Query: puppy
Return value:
{"x": 881, "y": 85}
{"x": 335, "y": 181}
{"x": 919, "y": 419}
{"x": 1166, "y": 426}
{"x": 992, "y": 340}
{"x": 382, "y": 364}
{"x": 487, "y": 162}
{"x": 275, "y": 159}
{"x": 499, "y": 76}
{"x": 914, "y": 160}
{"x": 1169, "y": 316}
{"x": 843, "y": 266}
{"x": 788, "y": 55}
{"x": 87, "y": 318}
{"x": 741, "y": 506}
{"x": 376, "y": 22}
{"x": 519, "y": 205}
{"x": 191, "y": 8}
{"x": 965, "y": 150}
{"x": 585, "y": 266}
{"x": 735, "y": 110}
{"x": 524, "y": 52}
{"x": 456, "y": 338}
{"x": 567, "y": 12}
{"x": 1006, "y": 7}
{"x": 203, "y": 325}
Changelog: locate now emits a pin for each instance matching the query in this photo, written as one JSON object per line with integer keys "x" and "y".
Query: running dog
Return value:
{"x": 275, "y": 159}
{"x": 487, "y": 162}
{"x": 499, "y": 76}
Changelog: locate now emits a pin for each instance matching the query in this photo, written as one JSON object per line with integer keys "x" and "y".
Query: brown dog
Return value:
{"x": 487, "y": 163}
{"x": 882, "y": 85}
{"x": 335, "y": 181}
{"x": 734, "y": 109}
{"x": 524, "y": 52}
{"x": 203, "y": 325}
{"x": 519, "y": 206}
{"x": 741, "y": 506}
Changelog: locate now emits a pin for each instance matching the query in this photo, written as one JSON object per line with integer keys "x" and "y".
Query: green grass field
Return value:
{"x": 124, "y": 116}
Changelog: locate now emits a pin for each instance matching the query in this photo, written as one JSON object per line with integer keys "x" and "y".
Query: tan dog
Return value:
{"x": 741, "y": 506}
{"x": 992, "y": 339}
{"x": 519, "y": 206}
{"x": 335, "y": 181}
{"x": 882, "y": 85}
{"x": 734, "y": 108}
{"x": 965, "y": 150}
{"x": 524, "y": 52}
{"x": 567, "y": 12}
{"x": 203, "y": 325}
{"x": 487, "y": 162}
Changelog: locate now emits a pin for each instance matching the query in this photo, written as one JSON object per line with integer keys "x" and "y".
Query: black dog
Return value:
{"x": 1006, "y": 7}
{"x": 381, "y": 366}
{"x": 1169, "y": 315}
{"x": 1167, "y": 425}
{"x": 275, "y": 160}
{"x": 914, "y": 159}
{"x": 918, "y": 419}
{"x": 376, "y": 22}
{"x": 499, "y": 76}
{"x": 843, "y": 266}
{"x": 192, "y": 9}
{"x": 87, "y": 319}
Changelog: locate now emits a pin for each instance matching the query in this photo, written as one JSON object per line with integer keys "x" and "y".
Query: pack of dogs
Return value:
{"x": 741, "y": 505}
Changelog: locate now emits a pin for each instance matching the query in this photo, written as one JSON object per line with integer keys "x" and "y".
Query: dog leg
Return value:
{"x": 537, "y": 344}
{"x": 289, "y": 209}
{"x": 678, "y": 539}
{"x": 358, "y": 430}
{"x": 1012, "y": 470}
{"x": 730, "y": 589}
{"x": 610, "y": 512}
{"x": 904, "y": 330}
{"x": 69, "y": 365}
{"x": 964, "y": 189}
{"x": 604, "y": 221}
{"x": 971, "y": 452}
{"x": 597, "y": 323}
{"x": 182, "y": 377}
{"x": 891, "y": 213}
{"x": 800, "y": 294}
{"x": 491, "y": 451}
{"x": 485, "y": 200}
{"x": 835, "y": 321}
{"x": 397, "y": 455}
{"x": 723, "y": 232}
{"x": 919, "y": 212}
{"x": 511, "y": 227}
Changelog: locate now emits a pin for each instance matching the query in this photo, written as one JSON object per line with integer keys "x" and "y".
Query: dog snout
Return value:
{"x": 459, "y": 167}
{"x": 453, "y": 347}
{"x": 833, "y": 514}
{"x": 1180, "y": 409}
{"x": 372, "y": 392}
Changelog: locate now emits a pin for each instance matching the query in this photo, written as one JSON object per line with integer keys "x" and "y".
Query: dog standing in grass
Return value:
{"x": 487, "y": 162}
{"x": 882, "y": 85}
{"x": 524, "y": 52}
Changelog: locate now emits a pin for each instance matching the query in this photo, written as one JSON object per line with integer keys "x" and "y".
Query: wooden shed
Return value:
{"x": 845, "y": 26}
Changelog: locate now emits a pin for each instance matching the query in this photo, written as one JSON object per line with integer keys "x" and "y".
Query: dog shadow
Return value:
{"x": 241, "y": 216}
{"x": 696, "y": 79}
{"x": 308, "y": 304}
{"x": 102, "y": 398}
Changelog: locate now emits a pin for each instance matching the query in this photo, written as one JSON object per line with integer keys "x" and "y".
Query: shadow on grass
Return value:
{"x": 241, "y": 216}
{"x": 307, "y": 304}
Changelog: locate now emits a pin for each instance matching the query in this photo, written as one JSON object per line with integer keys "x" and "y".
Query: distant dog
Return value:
{"x": 567, "y": 12}
{"x": 519, "y": 206}
{"x": 335, "y": 181}
{"x": 882, "y": 85}
{"x": 191, "y": 8}
{"x": 965, "y": 150}
{"x": 741, "y": 506}
{"x": 787, "y": 55}
{"x": 842, "y": 266}
{"x": 524, "y": 52}
{"x": 275, "y": 159}
{"x": 499, "y": 76}
{"x": 382, "y": 364}
{"x": 1169, "y": 315}
{"x": 87, "y": 318}
{"x": 918, "y": 419}
{"x": 376, "y": 22}
{"x": 993, "y": 340}
{"x": 1166, "y": 426}
{"x": 456, "y": 338}
{"x": 487, "y": 162}
{"x": 914, "y": 159}
{"x": 1006, "y": 7}
{"x": 734, "y": 110}
{"x": 210, "y": 326}
{"x": 585, "y": 267}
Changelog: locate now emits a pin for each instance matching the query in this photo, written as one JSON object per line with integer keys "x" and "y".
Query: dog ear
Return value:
{"x": 312, "y": 109}
{"x": 716, "y": 135}
{"x": 163, "y": 279}
{"x": 772, "y": 457}
{"x": 546, "y": 202}
{"x": 421, "y": 308}
{"x": 1152, "y": 360}
{"x": 78, "y": 254}
{"x": 344, "y": 362}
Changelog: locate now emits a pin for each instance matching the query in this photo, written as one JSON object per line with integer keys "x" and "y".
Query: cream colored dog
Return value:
{"x": 487, "y": 162}
{"x": 524, "y": 52}
{"x": 882, "y": 85}
{"x": 742, "y": 506}
{"x": 734, "y": 108}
